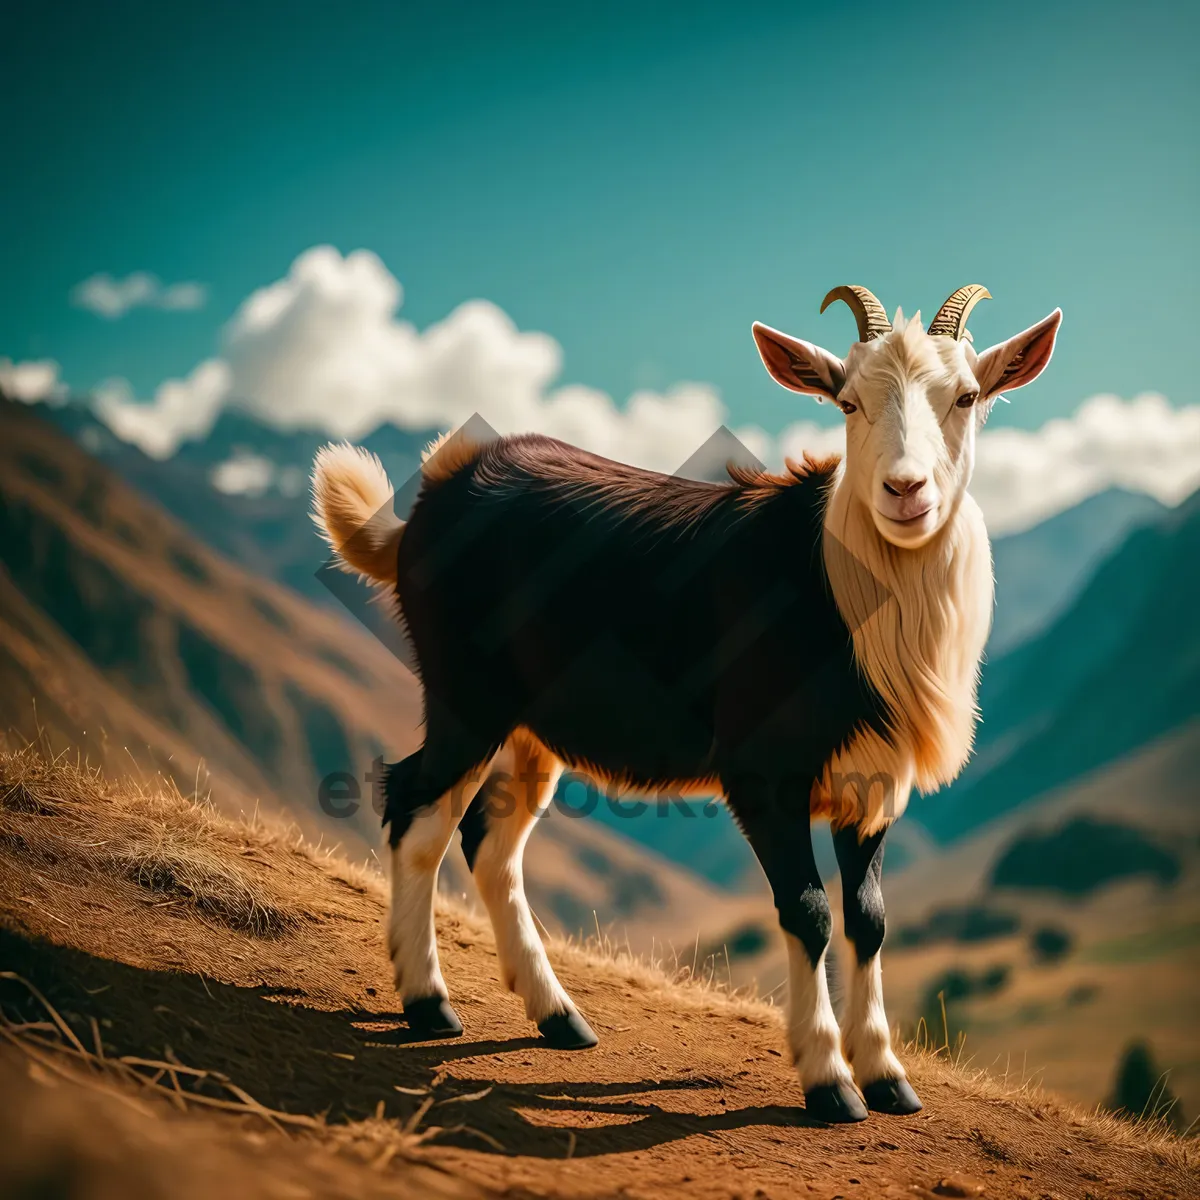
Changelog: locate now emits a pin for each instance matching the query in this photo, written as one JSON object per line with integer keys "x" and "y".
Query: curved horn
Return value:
{"x": 951, "y": 319}
{"x": 868, "y": 312}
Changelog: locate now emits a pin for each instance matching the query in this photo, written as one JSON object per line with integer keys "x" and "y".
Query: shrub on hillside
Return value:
{"x": 1141, "y": 1091}
{"x": 957, "y": 923}
{"x": 1050, "y": 944}
{"x": 1081, "y": 856}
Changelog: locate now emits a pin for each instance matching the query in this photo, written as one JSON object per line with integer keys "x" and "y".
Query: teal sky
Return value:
{"x": 639, "y": 180}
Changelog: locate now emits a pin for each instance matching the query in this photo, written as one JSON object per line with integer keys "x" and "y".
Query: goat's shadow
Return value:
{"x": 297, "y": 1059}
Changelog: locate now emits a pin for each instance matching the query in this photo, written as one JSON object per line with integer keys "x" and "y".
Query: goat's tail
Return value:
{"x": 352, "y": 508}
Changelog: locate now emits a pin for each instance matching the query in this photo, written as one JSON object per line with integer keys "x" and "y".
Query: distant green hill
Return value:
{"x": 1040, "y": 571}
{"x": 1119, "y": 668}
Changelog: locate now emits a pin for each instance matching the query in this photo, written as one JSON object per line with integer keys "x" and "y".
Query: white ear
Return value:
{"x": 799, "y": 366}
{"x": 1018, "y": 361}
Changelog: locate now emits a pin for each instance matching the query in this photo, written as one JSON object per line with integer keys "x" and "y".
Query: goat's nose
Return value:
{"x": 903, "y": 486}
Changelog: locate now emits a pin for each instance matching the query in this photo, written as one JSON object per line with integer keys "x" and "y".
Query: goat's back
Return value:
{"x": 633, "y": 620}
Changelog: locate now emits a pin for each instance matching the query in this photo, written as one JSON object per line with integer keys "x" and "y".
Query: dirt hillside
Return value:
{"x": 207, "y": 984}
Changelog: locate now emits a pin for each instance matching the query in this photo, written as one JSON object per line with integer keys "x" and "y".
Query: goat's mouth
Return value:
{"x": 908, "y": 532}
{"x": 911, "y": 521}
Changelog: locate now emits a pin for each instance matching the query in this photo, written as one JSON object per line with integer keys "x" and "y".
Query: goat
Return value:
{"x": 805, "y": 645}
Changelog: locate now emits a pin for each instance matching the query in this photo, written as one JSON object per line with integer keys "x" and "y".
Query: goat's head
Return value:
{"x": 913, "y": 400}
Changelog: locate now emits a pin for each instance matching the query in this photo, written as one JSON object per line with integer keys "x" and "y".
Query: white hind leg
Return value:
{"x": 494, "y": 835}
{"x": 421, "y": 833}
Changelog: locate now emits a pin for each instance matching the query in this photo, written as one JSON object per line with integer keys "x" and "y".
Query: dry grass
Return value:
{"x": 85, "y": 1127}
{"x": 931, "y": 1068}
{"x": 179, "y": 849}
{"x": 667, "y": 974}
{"x": 258, "y": 883}
{"x": 53, "y": 1045}
{"x": 70, "y": 828}
{"x": 352, "y": 1158}
{"x": 186, "y": 853}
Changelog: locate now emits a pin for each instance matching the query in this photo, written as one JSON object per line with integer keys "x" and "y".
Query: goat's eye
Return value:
{"x": 847, "y": 407}
{"x": 967, "y": 399}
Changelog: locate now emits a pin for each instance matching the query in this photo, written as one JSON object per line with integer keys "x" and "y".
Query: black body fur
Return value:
{"x": 655, "y": 630}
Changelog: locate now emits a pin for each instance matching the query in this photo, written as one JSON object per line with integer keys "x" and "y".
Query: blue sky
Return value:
{"x": 641, "y": 181}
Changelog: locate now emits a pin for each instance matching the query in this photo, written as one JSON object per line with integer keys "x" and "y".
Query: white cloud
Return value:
{"x": 819, "y": 440}
{"x": 182, "y": 410}
{"x": 185, "y": 296}
{"x": 1023, "y": 476}
{"x": 112, "y": 298}
{"x": 1144, "y": 445}
{"x": 31, "y": 381}
{"x": 324, "y": 348}
{"x": 247, "y": 474}
{"x": 243, "y": 474}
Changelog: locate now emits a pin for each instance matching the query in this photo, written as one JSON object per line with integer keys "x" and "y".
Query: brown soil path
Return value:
{"x": 689, "y": 1092}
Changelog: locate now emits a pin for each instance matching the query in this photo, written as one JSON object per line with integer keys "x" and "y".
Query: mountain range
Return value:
{"x": 1039, "y": 650}
{"x": 1040, "y": 571}
{"x": 264, "y": 526}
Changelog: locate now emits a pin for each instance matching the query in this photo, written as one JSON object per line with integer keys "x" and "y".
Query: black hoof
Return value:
{"x": 432, "y": 1017}
{"x": 893, "y": 1096}
{"x": 835, "y": 1104}
{"x": 567, "y": 1031}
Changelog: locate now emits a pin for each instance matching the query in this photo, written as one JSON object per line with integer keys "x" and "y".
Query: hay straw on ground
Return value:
{"x": 183, "y": 848}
